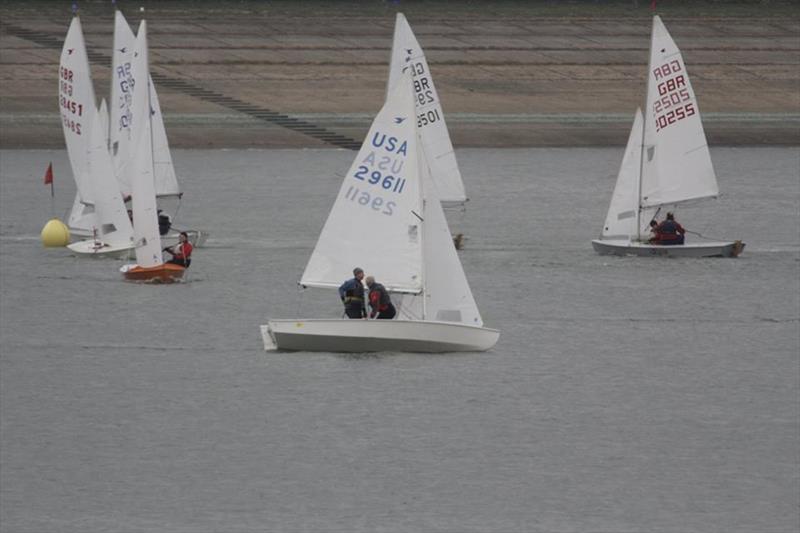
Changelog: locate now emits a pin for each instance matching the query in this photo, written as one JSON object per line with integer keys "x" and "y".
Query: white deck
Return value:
{"x": 694, "y": 249}
{"x": 91, "y": 248}
{"x": 358, "y": 336}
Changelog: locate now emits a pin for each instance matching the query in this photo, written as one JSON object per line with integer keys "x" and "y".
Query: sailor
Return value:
{"x": 181, "y": 252}
{"x": 379, "y": 301}
{"x": 164, "y": 222}
{"x": 654, "y": 231}
{"x": 351, "y": 292}
{"x": 669, "y": 231}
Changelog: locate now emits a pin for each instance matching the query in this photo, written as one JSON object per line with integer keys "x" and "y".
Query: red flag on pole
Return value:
{"x": 48, "y": 176}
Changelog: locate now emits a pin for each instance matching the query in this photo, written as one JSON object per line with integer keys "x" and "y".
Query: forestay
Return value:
{"x": 440, "y": 157}
{"x": 77, "y": 104}
{"x": 145, "y": 218}
{"x": 375, "y": 221}
{"x": 677, "y": 165}
{"x": 621, "y": 219}
{"x": 114, "y": 226}
{"x": 122, "y": 88}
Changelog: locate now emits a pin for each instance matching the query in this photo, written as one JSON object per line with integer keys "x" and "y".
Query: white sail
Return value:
{"x": 77, "y": 104}
{"x": 166, "y": 180}
{"x": 113, "y": 224}
{"x": 622, "y": 213}
{"x": 446, "y": 291}
{"x": 375, "y": 221}
{"x": 122, "y": 87}
{"x": 81, "y": 219}
{"x": 141, "y": 176}
{"x": 103, "y": 116}
{"x": 121, "y": 99}
{"x": 677, "y": 166}
{"x": 408, "y": 55}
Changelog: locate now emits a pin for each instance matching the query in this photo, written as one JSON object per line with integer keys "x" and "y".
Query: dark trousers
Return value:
{"x": 388, "y": 313}
{"x": 679, "y": 240}
{"x": 182, "y": 262}
{"x": 353, "y": 311}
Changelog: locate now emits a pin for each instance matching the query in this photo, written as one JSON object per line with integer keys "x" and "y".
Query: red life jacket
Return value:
{"x": 183, "y": 250}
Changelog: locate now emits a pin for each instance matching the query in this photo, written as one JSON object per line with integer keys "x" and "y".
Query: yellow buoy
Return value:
{"x": 55, "y": 233}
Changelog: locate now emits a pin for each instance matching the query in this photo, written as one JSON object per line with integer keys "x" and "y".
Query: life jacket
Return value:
{"x": 352, "y": 291}
{"x": 183, "y": 250}
{"x": 669, "y": 230}
{"x": 378, "y": 297}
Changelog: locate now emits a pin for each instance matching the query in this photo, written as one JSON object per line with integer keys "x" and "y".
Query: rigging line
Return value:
{"x": 703, "y": 236}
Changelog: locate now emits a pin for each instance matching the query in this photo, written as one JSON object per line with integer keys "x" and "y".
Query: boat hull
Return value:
{"x": 358, "y": 336}
{"x": 704, "y": 249}
{"x": 196, "y": 237}
{"x": 96, "y": 249}
{"x": 166, "y": 273}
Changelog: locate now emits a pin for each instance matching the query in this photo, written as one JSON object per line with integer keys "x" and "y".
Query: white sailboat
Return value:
{"x": 666, "y": 162}
{"x": 407, "y": 55}
{"x": 123, "y": 85}
{"x": 77, "y": 106}
{"x": 150, "y": 264}
{"x": 112, "y": 233}
{"x": 387, "y": 218}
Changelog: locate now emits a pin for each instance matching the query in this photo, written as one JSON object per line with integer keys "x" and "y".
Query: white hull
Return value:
{"x": 196, "y": 237}
{"x": 358, "y": 336}
{"x": 91, "y": 248}
{"x": 703, "y": 249}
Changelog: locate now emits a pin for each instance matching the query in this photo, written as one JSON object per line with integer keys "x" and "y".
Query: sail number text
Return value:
{"x": 126, "y": 85}
{"x": 381, "y": 169}
{"x": 423, "y": 88}
{"x": 70, "y": 109}
{"x": 674, "y": 101}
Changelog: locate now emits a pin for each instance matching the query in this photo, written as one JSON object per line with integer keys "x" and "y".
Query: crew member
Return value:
{"x": 181, "y": 252}
{"x": 351, "y": 292}
{"x": 379, "y": 301}
{"x": 669, "y": 231}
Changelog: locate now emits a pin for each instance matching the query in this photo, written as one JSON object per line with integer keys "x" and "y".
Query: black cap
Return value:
{"x": 356, "y": 270}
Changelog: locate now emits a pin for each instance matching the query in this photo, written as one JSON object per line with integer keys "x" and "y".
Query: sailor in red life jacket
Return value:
{"x": 181, "y": 252}
{"x": 379, "y": 301}
{"x": 669, "y": 232}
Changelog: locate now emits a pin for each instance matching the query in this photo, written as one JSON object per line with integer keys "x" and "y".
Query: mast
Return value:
{"x": 421, "y": 166}
{"x": 644, "y": 130}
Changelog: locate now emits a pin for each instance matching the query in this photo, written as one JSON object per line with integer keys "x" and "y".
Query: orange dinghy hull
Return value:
{"x": 166, "y": 273}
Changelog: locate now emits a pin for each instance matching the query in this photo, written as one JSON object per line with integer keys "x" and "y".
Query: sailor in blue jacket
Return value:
{"x": 351, "y": 293}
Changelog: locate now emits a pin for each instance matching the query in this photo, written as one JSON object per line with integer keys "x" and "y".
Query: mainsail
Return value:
{"x": 77, "y": 104}
{"x": 407, "y": 55}
{"x": 122, "y": 88}
{"x": 140, "y": 175}
{"x": 677, "y": 165}
{"x": 375, "y": 222}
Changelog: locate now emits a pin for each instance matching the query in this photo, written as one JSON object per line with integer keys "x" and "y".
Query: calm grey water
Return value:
{"x": 624, "y": 395}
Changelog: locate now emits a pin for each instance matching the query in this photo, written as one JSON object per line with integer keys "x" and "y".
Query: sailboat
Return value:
{"x": 123, "y": 85}
{"x": 666, "y": 162}
{"x": 408, "y": 56}
{"x": 77, "y": 105}
{"x": 112, "y": 232}
{"x": 150, "y": 264}
{"x": 387, "y": 218}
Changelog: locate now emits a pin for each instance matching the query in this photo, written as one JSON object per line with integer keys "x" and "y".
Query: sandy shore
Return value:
{"x": 312, "y": 74}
